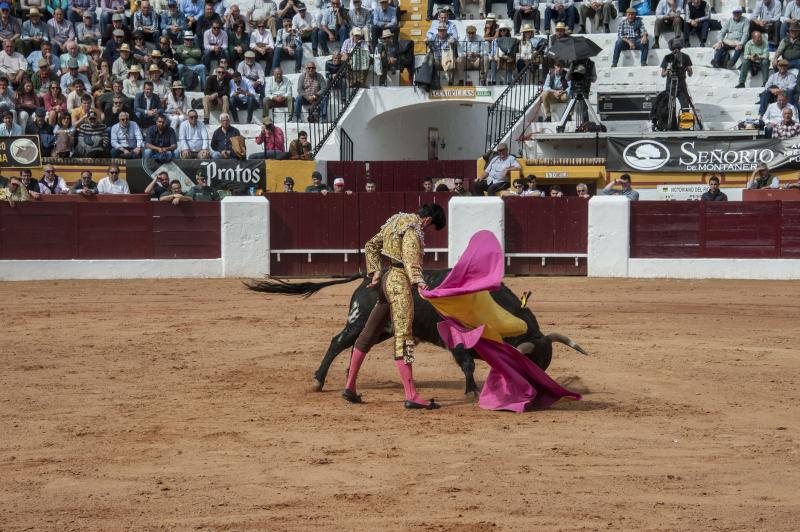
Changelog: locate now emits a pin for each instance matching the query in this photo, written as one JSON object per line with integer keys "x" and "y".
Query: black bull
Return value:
{"x": 536, "y": 346}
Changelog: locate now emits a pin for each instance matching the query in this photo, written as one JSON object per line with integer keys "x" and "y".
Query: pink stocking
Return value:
{"x": 408, "y": 382}
{"x": 356, "y": 359}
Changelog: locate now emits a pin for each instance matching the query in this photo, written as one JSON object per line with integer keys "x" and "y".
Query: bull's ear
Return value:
{"x": 526, "y": 348}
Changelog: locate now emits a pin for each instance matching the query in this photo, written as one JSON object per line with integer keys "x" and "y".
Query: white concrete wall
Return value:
{"x": 469, "y": 215}
{"x": 244, "y": 249}
{"x": 609, "y": 236}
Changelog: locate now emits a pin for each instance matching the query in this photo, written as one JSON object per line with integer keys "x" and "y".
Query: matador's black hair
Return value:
{"x": 435, "y": 211}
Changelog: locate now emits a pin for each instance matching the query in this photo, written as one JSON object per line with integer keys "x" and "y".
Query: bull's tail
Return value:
{"x": 305, "y": 289}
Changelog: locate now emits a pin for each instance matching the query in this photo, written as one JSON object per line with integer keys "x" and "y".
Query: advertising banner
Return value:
{"x": 221, "y": 173}
{"x": 20, "y": 152}
{"x": 700, "y": 155}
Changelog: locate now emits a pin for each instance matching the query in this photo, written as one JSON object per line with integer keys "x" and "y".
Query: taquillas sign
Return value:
{"x": 693, "y": 155}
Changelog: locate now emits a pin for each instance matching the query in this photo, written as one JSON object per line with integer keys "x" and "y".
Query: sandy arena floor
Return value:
{"x": 185, "y": 405}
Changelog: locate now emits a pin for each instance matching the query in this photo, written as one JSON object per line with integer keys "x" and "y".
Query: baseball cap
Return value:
{"x": 338, "y": 181}
{"x": 5, "y": 5}
{"x": 737, "y": 9}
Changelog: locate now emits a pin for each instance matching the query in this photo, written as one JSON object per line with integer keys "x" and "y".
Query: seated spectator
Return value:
{"x": 288, "y": 184}
{"x": 111, "y": 115}
{"x": 789, "y": 48}
{"x": 278, "y": 93}
{"x": 112, "y": 184}
{"x": 193, "y": 141}
{"x": 517, "y": 188}
{"x": 157, "y": 186}
{"x": 253, "y": 72}
{"x": 147, "y": 106}
{"x": 766, "y": 18}
{"x": 160, "y": 141}
{"x": 530, "y": 187}
{"x": 732, "y": 37}
{"x": 177, "y": 105}
{"x": 333, "y": 26}
{"x": 556, "y": 89}
{"x": 355, "y": 50}
{"x": 600, "y": 12}
{"x": 133, "y": 85}
{"x": 271, "y": 136}
{"x": 427, "y": 184}
{"x": 65, "y": 136}
{"x": 147, "y": 21}
{"x": 338, "y": 187}
{"x": 113, "y": 52}
{"x": 30, "y": 183}
{"x": 161, "y": 86}
{"x": 50, "y": 183}
{"x": 77, "y": 100}
{"x": 215, "y": 44}
{"x": 172, "y": 22}
{"x": 442, "y": 19}
{"x": 503, "y": 55}
{"x": 14, "y": 192}
{"x": 262, "y": 44}
{"x": 288, "y": 45}
{"x": 631, "y": 35}
{"x": 761, "y": 178}
{"x": 9, "y": 128}
{"x": 491, "y": 27}
{"x": 78, "y": 8}
{"x": 531, "y": 52}
{"x": 779, "y": 82}
{"x": 222, "y": 143}
{"x": 87, "y": 33}
{"x": 316, "y": 183}
{"x": 113, "y": 21}
{"x": 202, "y": 191}
{"x": 796, "y": 184}
{"x": 43, "y": 77}
{"x": 582, "y": 190}
{"x": 61, "y": 30}
{"x": 310, "y": 86}
{"x": 91, "y": 138}
{"x": 12, "y": 64}
{"x": 556, "y": 192}
{"x": 74, "y": 55}
{"x": 529, "y": 10}
{"x": 39, "y": 126}
{"x": 189, "y": 57}
{"x": 72, "y": 75}
{"x": 300, "y": 148}
{"x": 242, "y": 96}
{"x": 788, "y": 127}
{"x": 497, "y": 173}
{"x": 471, "y": 56}
{"x": 791, "y": 15}
{"x": 626, "y": 189}
{"x": 713, "y": 193}
{"x": 35, "y": 32}
{"x": 560, "y": 11}
{"x": 126, "y": 139}
{"x": 304, "y": 24}
{"x": 384, "y": 18}
{"x": 443, "y": 46}
{"x": 697, "y": 20}
{"x": 215, "y": 93}
{"x": 755, "y": 59}
{"x": 107, "y": 100}
{"x": 84, "y": 186}
{"x": 207, "y": 17}
{"x": 458, "y": 187}
{"x": 370, "y": 186}
{"x": 360, "y": 17}
{"x": 175, "y": 194}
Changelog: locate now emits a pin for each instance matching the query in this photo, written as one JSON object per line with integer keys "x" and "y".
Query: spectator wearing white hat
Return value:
{"x": 356, "y": 50}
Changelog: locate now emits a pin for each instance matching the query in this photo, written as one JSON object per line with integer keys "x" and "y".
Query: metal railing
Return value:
{"x": 324, "y": 115}
{"x": 346, "y": 147}
{"x": 511, "y": 105}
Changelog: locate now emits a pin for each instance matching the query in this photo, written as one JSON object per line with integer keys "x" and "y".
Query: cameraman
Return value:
{"x": 678, "y": 64}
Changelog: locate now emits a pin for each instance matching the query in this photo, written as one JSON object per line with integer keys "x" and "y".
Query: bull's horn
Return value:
{"x": 526, "y": 348}
{"x": 566, "y": 340}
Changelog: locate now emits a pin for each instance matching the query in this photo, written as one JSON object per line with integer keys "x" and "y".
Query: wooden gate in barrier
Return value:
{"x": 746, "y": 230}
{"x": 400, "y": 176}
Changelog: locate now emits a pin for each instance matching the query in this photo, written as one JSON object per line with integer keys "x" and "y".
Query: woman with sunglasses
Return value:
{"x": 54, "y": 103}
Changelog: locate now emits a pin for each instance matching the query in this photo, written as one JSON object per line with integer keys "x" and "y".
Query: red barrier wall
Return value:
{"x": 768, "y": 229}
{"x": 547, "y": 226}
{"x": 400, "y": 176}
{"x": 109, "y": 230}
{"x": 339, "y": 221}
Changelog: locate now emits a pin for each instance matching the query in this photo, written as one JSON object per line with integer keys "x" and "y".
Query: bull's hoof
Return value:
{"x": 317, "y": 386}
{"x": 433, "y": 405}
{"x": 351, "y": 396}
{"x": 472, "y": 394}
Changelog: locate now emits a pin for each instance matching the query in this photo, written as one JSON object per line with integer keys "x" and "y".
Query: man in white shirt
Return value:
{"x": 774, "y": 113}
{"x": 112, "y": 184}
{"x": 496, "y": 175}
{"x": 126, "y": 138}
{"x": 304, "y": 24}
{"x": 278, "y": 92}
{"x": 262, "y": 43}
{"x": 193, "y": 141}
{"x": 252, "y": 72}
{"x": 50, "y": 183}
{"x": 12, "y": 64}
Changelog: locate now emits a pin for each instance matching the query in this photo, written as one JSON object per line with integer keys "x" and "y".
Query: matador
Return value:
{"x": 401, "y": 240}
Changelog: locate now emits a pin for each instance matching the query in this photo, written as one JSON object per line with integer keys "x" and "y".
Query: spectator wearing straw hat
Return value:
{"x": 472, "y": 56}
{"x": 34, "y": 32}
{"x": 189, "y": 57}
{"x": 356, "y": 50}
{"x": 161, "y": 86}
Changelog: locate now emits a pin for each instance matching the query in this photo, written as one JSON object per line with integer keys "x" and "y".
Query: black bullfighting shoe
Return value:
{"x": 433, "y": 405}
{"x": 350, "y": 396}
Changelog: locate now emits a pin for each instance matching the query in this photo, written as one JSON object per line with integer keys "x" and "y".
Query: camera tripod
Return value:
{"x": 582, "y": 110}
{"x": 673, "y": 110}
